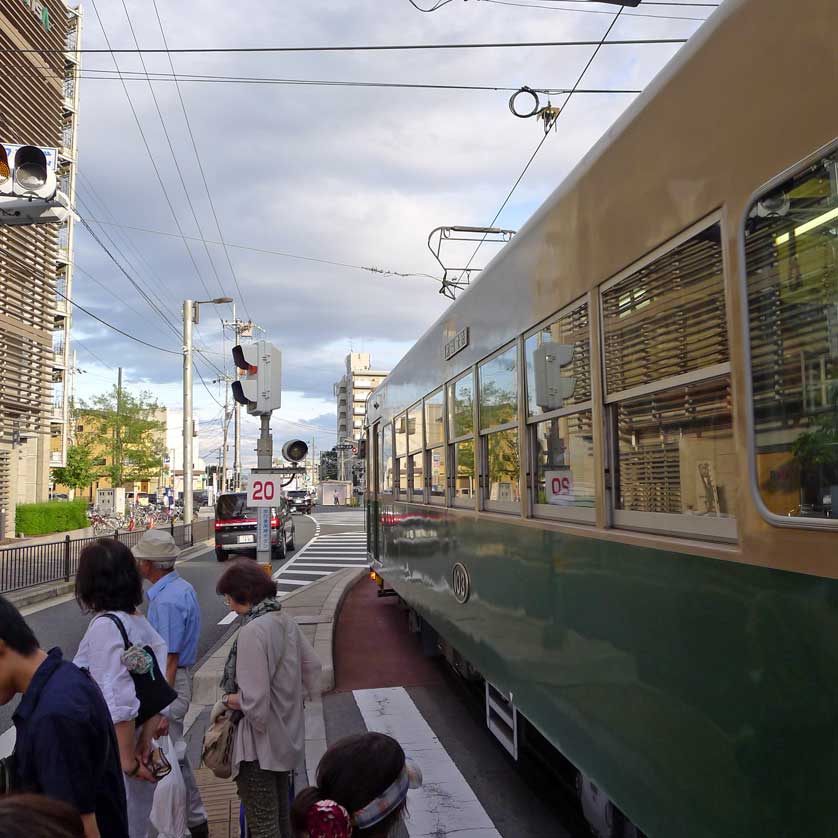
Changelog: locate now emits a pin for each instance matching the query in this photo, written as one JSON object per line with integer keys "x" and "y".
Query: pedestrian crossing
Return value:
{"x": 323, "y": 555}
{"x": 349, "y": 517}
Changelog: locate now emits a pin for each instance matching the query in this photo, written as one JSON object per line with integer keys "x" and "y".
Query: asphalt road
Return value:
{"x": 61, "y": 622}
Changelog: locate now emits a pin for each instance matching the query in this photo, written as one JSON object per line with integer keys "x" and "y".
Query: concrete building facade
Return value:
{"x": 40, "y": 42}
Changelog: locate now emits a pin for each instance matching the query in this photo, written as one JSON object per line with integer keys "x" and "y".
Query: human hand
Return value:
{"x": 162, "y": 728}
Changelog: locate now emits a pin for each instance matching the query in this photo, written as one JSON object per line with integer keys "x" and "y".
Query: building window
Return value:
{"x": 791, "y": 255}
{"x": 498, "y": 410}
{"x": 667, "y": 381}
{"x": 558, "y": 365}
{"x": 386, "y": 476}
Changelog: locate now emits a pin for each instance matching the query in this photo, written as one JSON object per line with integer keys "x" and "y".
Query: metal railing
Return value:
{"x": 39, "y": 564}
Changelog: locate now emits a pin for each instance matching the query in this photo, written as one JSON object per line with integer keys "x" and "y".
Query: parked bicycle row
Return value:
{"x": 136, "y": 517}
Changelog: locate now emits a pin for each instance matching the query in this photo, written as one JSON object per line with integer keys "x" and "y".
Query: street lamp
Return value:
{"x": 190, "y": 316}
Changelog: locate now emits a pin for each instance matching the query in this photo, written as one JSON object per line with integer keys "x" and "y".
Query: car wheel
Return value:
{"x": 220, "y": 556}
{"x": 280, "y": 550}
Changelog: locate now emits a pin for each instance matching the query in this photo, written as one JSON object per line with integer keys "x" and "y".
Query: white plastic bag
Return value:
{"x": 168, "y": 812}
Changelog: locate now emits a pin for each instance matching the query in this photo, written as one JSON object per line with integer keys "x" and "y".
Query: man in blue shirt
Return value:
{"x": 174, "y": 613}
{"x": 66, "y": 745}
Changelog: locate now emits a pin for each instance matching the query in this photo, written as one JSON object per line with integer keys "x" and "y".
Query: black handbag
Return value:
{"x": 153, "y": 690}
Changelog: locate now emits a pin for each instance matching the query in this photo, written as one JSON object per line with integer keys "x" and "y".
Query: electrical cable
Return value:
{"x": 116, "y": 328}
{"x": 591, "y": 11}
{"x": 86, "y": 348}
{"x": 136, "y": 75}
{"x": 200, "y": 163}
{"x": 148, "y": 148}
{"x": 438, "y": 5}
{"x": 542, "y": 141}
{"x": 172, "y": 152}
{"x": 353, "y": 48}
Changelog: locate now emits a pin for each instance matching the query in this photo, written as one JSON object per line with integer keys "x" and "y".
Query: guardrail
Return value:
{"x": 55, "y": 561}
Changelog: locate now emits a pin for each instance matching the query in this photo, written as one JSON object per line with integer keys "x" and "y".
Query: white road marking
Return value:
{"x": 227, "y": 619}
{"x": 300, "y": 582}
{"x": 446, "y": 804}
{"x": 330, "y": 564}
{"x": 299, "y": 572}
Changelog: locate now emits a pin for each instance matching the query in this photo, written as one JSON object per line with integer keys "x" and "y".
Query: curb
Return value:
{"x": 32, "y": 596}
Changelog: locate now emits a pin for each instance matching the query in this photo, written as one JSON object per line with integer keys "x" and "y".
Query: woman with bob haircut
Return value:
{"x": 108, "y": 582}
{"x": 269, "y": 667}
{"x": 362, "y": 785}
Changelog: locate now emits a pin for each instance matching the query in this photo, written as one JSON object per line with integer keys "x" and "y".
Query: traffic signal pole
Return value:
{"x": 187, "y": 411}
{"x": 264, "y": 460}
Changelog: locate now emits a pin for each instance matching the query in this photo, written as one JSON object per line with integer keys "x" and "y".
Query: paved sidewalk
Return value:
{"x": 315, "y": 608}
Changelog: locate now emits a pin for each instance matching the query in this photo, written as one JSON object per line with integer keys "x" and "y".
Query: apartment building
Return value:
{"x": 40, "y": 41}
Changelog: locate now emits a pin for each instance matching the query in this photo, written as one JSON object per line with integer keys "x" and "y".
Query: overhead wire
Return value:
{"x": 542, "y": 141}
{"x": 148, "y": 148}
{"x": 590, "y": 11}
{"x": 200, "y": 163}
{"x": 172, "y": 152}
{"x": 348, "y": 48}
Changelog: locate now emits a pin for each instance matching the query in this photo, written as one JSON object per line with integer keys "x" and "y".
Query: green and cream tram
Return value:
{"x": 607, "y": 476}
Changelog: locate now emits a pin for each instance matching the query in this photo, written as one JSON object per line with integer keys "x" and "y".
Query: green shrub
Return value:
{"x": 53, "y": 516}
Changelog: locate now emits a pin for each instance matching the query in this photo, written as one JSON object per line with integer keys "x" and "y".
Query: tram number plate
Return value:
{"x": 559, "y": 486}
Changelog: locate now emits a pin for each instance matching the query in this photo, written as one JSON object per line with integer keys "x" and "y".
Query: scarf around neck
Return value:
{"x": 228, "y": 681}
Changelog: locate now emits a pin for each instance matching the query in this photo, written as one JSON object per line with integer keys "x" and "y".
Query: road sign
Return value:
{"x": 287, "y": 471}
{"x": 264, "y": 490}
{"x": 343, "y": 448}
{"x": 263, "y": 530}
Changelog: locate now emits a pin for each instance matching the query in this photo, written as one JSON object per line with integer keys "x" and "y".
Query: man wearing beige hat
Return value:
{"x": 174, "y": 613}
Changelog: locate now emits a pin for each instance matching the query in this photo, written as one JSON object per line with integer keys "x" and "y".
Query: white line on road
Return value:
{"x": 330, "y": 565}
{"x": 228, "y": 618}
{"x": 299, "y": 582}
{"x": 446, "y": 804}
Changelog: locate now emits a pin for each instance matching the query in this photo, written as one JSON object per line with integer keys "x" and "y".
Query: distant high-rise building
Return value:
{"x": 351, "y": 393}
{"x": 40, "y": 42}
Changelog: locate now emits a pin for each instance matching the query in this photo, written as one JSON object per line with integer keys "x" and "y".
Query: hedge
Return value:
{"x": 53, "y": 516}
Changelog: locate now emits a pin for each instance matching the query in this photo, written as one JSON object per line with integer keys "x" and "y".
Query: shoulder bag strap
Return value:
{"x": 118, "y": 623}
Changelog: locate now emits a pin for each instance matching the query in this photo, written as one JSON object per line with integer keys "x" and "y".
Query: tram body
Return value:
{"x": 605, "y": 477}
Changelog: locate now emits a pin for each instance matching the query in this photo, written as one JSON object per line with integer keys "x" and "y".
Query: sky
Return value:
{"x": 355, "y": 175}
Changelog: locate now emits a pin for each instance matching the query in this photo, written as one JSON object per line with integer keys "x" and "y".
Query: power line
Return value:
{"x": 116, "y": 328}
{"x": 172, "y": 152}
{"x": 283, "y": 254}
{"x": 147, "y": 147}
{"x": 355, "y": 48}
{"x": 590, "y": 11}
{"x": 136, "y": 75}
{"x": 543, "y": 140}
{"x": 200, "y": 164}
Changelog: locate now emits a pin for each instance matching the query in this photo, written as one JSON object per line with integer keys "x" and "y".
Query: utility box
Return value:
{"x": 335, "y": 492}
{"x": 110, "y": 501}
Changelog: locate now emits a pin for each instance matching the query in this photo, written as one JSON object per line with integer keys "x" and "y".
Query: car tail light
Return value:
{"x": 274, "y": 521}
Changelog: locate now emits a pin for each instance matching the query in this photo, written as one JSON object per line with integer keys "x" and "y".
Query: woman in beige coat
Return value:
{"x": 269, "y": 671}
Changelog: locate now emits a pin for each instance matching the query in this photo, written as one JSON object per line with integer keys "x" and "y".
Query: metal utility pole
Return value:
{"x": 187, "y": 411}
{"x": 225, "y": 425}
{"x": 264, "y": 460}
{"x": 117, "y": 432}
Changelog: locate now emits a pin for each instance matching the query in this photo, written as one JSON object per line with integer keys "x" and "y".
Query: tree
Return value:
{"x": 329, "y": 465}
{"x": 79, "y": 472}
{"x": 124, "y": 424}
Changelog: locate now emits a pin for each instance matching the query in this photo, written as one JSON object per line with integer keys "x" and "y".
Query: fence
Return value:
{"x": 39, "y": 564}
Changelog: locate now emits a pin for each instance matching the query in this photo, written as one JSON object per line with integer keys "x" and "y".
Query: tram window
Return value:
{"x": 435, "y": 419}
{"x": 417, "y": 478}
{"x": 461, "y": 406}
{"x": 499, "y": 389}
{"x": 791, "y": 257}
{"x": 401, "y": 435}
{"x": 401, "y": 471}
{"x": 414, "y": 428}
{"x": 676, "y": 460}
{"x": 437, "y": 473}
{"x": 503, "y": 470}
{"x": 464, "y": 475}
{"x": 386, "y": 477}
{"x": 667, "y": 318}
{"x": 558, "y": 358}
{"x": 563, "y": 455}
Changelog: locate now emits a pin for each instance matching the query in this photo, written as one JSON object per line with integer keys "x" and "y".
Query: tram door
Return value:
{"x": 373, "y": 489}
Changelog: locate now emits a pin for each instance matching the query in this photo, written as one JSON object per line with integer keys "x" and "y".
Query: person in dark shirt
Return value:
{"x": 66, "y": 747}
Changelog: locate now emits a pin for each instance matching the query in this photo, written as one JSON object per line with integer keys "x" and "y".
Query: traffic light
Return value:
{"x": 28, "y": 186}
{"x": 550, "y": 388}
{"x": 261, "y": 388}
{"x": 295, "y": 451}
{"x": 362, "y": 450}
{"x": 26, "y": 172}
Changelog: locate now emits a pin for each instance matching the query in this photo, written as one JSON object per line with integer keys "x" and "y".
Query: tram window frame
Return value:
{"x": 401, "y": 476}
{"x": 385, "y": 487}
{"x": 583, "y": 514}
{"x": 416, "y": 494}
{"x": 462, "y": 501}
{"x": 413, "y": 413}
{"x": 718, "y": 527}
{"x": 400, "y": 419}
{"x": 511, "y": 507}
{"x": 439, "y": 500}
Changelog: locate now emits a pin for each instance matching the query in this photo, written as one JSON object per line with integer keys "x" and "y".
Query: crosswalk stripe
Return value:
{"x": 393, "y": 712}
{"x": 299, "y": 582}
{"x": 305, "y": 573}
{"x": 330, "y": 566}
